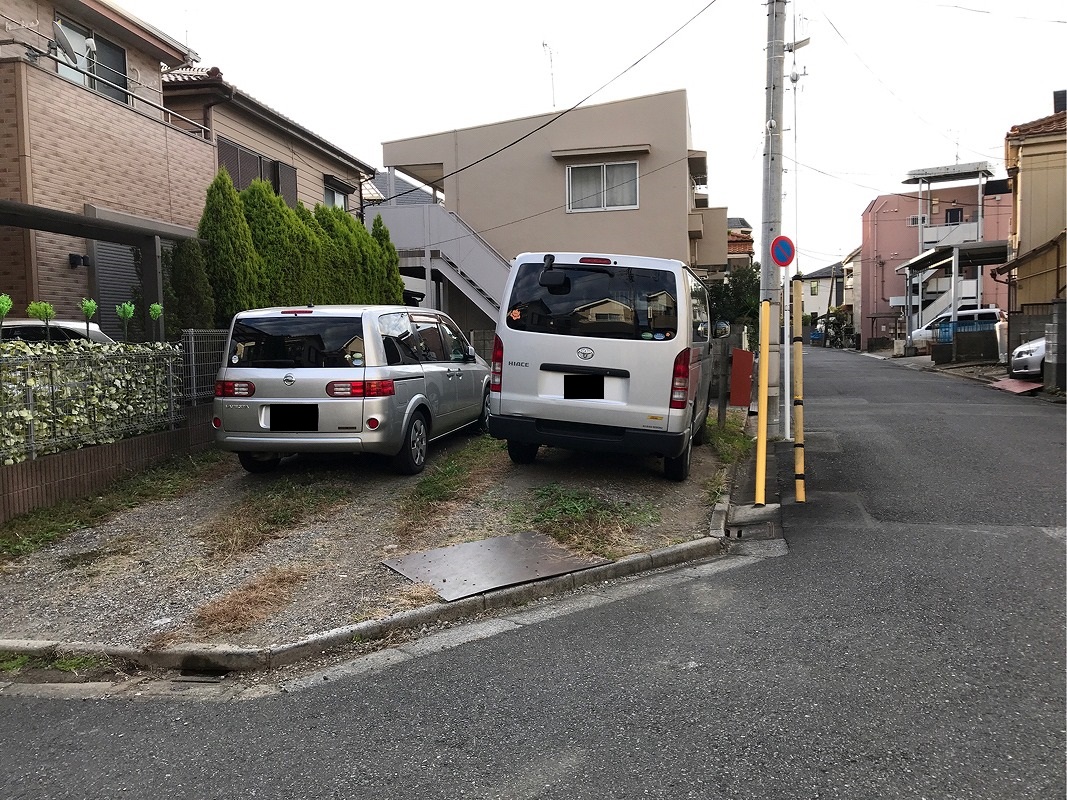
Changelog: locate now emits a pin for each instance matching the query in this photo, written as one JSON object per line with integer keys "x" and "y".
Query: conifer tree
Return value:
{"x": 231, "y": 262}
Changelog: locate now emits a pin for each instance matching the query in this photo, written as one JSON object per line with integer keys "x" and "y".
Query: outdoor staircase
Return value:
{"x": 431, "y": 236}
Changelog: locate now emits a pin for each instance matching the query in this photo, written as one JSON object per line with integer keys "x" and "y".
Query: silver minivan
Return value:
{"x": 602, "y": 352}
{"x": 345, "y": 379}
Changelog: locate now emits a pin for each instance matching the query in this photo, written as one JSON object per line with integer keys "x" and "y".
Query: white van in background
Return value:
{"x": 967, "y": 317}
{"x": 601, "y": 352}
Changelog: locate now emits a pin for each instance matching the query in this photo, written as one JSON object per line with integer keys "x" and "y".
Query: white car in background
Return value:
{"x": 1029, "y": 358}
{"x": 59, "y": 330}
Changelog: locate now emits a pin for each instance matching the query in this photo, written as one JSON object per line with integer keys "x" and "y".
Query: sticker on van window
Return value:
{"x": 659, "y": 336}
{"x": 646, "y": 335}
{"x": 515, "y": 313}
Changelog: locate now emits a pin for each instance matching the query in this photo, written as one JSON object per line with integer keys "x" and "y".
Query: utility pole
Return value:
{"x": 770, "y": 279}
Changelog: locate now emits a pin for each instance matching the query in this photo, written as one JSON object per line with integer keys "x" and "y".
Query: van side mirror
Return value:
{"x": 721, "y": 329}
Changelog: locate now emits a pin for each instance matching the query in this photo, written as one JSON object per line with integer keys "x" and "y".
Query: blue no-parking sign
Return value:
{"x": 782, "y": 251}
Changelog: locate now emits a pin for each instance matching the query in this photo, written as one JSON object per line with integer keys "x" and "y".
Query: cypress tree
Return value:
{"x": 191, "y": 299}
{"x": 392, "y": 282}
{"x": 231, "y": 262}
{"x": 289, "y": 251}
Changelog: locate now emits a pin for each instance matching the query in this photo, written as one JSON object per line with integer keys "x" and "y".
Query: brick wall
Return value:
{"x": 72, "y": 474}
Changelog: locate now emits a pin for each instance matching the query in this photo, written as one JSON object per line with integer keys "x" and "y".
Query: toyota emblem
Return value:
{"x": 585, "y": 353}
{"x": 289, "y": 379}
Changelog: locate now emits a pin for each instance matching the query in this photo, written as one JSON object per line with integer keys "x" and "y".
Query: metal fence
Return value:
{"x": 946, "y": 331}
{"x": 78, "y": 394}
{"x": 54, "y": 399}
{"x": 204, "y": 351}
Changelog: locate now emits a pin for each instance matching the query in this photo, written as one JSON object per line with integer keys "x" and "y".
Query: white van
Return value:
{"x": 967, "y": 317}
{"x": 600, "y": 352}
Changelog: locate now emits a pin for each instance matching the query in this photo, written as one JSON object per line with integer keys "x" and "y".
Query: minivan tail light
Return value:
{"x": 680, "y": 380}
{"x": 497, "y": 365}
{"x": 234, "y": 388}
{"x": 360, "y": 389}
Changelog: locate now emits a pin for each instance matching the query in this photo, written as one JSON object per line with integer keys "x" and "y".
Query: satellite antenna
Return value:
{"x": 64, "y": 43}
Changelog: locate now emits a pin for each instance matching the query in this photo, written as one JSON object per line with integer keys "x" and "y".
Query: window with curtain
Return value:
{"x": 602, "y": 187}
{"x": 814, "y": 288}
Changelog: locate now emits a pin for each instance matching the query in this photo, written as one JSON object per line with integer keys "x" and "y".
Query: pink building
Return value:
{"x": 898, "y": 227}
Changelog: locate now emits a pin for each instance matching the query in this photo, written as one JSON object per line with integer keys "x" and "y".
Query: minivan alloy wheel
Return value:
{"x": 412, "y": 456}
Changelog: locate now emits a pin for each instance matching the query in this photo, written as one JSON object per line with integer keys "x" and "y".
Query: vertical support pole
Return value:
{"x": 798, "y": 388}
{"x": 761, "y": 418}
{"x": 770, "y": 278}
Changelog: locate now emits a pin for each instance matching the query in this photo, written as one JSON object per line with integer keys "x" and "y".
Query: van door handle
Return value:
{"x": 454, "y": 373}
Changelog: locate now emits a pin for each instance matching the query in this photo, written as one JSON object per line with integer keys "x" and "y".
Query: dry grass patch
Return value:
{"x": 267, "y": 512}
{"x": 250, "y": 604}
{"x": 466, "y": 472}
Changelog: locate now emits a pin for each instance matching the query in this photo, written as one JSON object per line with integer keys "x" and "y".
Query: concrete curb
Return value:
{"x": 221, "y": 658}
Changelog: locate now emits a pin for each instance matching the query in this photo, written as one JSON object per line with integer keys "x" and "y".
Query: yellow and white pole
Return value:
{"x": 798, "y": 388}
{"x": 761, "y": 418}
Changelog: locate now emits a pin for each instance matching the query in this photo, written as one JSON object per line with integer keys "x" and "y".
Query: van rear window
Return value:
{"x": 297, "y": 342}
{"x": 608, "y": 302}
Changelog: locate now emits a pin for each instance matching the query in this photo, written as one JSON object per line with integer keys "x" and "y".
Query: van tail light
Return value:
{"x": 360, "y": 389}
{"x": 497, "y": 365}
{"x": 234, "y": 388}
{"x": 680, "y": 380}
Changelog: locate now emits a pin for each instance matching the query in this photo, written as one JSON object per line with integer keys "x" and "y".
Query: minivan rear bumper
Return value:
{"x": 582, "y": 436}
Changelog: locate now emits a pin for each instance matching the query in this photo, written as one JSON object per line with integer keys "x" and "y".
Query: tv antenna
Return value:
{"x": 551, "y": 73}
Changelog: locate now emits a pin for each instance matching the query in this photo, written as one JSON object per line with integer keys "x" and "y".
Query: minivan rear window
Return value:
{"x": 609, "y": 302}
{"x": 297, "y": 342}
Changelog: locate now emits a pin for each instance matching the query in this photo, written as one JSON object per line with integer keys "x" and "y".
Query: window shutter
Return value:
{"x": 285, "y": 182}
{"x": 228, "y": 158}
{"x": 249, "y": 171}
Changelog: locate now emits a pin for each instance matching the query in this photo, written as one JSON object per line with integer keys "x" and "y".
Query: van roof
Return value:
{"x": 574, "y": 257}
{"x": 327, "y": 310}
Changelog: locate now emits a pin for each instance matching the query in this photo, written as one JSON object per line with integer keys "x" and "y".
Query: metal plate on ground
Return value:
{"x": 462, "y": 570}
{"x": 1016, "y": 386}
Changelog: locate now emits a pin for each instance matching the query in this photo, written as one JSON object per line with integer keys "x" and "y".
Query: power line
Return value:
{"x": 563, "y": 113}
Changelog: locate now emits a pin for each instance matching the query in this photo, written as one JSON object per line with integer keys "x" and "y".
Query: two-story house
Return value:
{"x": 108, "y": 142}
{"x": 619, "y": 177}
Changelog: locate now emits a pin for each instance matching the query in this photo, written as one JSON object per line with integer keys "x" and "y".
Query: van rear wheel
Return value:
{"x": 677, "y": 468}
{"x": 522, "y": 452}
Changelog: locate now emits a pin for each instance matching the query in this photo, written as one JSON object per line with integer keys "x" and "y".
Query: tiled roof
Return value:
{"x": 1056, "y": 123}
{"x": 739, "y": 243}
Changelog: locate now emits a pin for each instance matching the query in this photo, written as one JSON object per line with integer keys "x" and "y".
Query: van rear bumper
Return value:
{"x": 582, "y": 436}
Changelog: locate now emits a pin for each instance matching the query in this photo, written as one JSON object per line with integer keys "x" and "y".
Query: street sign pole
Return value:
{"x": 782, "y": 253}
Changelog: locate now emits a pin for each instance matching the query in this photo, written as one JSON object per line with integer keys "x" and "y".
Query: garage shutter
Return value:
{"x": 116, "y": 277}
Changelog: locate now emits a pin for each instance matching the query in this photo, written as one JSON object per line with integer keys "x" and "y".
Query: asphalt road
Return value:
{"x": 910, "y": 644}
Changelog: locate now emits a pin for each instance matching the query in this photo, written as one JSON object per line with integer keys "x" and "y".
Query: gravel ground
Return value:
{"x": 138, "y": 579}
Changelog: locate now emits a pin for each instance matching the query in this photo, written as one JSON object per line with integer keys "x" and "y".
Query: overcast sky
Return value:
{"x": 889, "y": 87}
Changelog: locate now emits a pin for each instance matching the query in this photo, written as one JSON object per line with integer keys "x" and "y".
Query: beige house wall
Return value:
{"x": 1041, "y": 192}
{"x": 517, "y": 199}
{"x": 230, "y": 123}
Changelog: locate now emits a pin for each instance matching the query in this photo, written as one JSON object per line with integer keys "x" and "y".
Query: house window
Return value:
{"x": 602, "y": 187}
{"x": 336, "y": 199}
{"x": 915, "y": 220}
{"x": 953, "y": 216}
{"x": 336, "y": 191}
{"x": 103, "y": 60}
{"x": 814, "y": 288}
